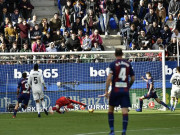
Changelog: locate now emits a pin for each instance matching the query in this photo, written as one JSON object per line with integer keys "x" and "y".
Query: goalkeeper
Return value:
{"x": 151, "y": 92}
{"x": 63, "y": 102}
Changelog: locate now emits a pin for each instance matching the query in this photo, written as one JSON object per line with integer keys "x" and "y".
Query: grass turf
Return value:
{"x": 149, "y": 122}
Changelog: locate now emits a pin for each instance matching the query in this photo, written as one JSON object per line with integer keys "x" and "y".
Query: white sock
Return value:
{"x": 171, "y": 102}
{"x": 43, "y": 104}
{"x": 176, "y": 101}
{"x": 38, "y": 107}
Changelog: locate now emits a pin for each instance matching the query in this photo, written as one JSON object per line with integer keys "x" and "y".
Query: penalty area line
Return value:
{"x": 96, "y": 133}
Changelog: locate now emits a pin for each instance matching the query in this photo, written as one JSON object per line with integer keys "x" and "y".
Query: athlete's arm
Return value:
{"x": 108, "y": 81}
{"x": 76, "y": 102}
{"x": 144, "y": 79}
{"x": 171, "y": 80}
{"x": 43, "y": 83}
{"x": 150, "y": 88}
{"x": 131, "y": 81}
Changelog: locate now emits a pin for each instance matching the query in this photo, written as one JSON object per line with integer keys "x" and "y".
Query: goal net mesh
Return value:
{"x": 80, "y": 76}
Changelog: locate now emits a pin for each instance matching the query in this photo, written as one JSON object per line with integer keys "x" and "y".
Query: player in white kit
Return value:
{"x": 175, "y": 91}
{"x": 36, "y": 82}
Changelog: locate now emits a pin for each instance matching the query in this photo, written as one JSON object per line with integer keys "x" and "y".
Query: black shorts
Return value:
{"x": 121, "y": 99}
{"x": 24, "y": 98}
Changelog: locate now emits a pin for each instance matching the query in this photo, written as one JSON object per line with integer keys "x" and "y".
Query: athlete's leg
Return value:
{"x": 162, "y": 103}
{"x": 111, "y": 119}
{"x": 125, "y": 119}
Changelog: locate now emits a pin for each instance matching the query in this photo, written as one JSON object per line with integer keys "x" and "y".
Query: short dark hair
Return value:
{"x": 36, "y": 66}
{"x": 178, "y": 68}
{"x": 24, "y": 75}
{"x": 118, "y": 52}
{"x": 148, "y": 73}
{"x": 68, "y": 97}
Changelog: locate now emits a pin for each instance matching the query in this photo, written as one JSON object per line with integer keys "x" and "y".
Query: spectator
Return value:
{"x": 36, "y": 33}
{"x": 62, "y": 47}
{"x": 3, "y": 48}
{"x": 154, "y": 32}
{"x": 44, "y": 26}
{"x": 86, "y": 46}
{"x": 38, "y": 46}
{"x": 51, "y": 48}
{"x": 26, "y": 9}
{"x": 137, "y": 23}
{"x": 174, "y": 7}
{"x": 134, "y": 46}
{"x": 15, "y": 16}
{"x": 92, "y": 4}
{"x": 161, "y": 19}
{"x": 132, "y": 34}
{"x": 32, "y": 22}
{"x": 150, "y": 18}
{"x": 5, "y": 14}
{"x": 175, "y": 34}
{"x": 77, "y": 25}
{"x": 124, "y": 24}
{"x": 67, "y": 20}
{"x": 103, "y": 15}
{"x": 11, "y": 34}
{"x": 161, "y": 11}
{"x": 91, "y": 21}
{"x": 25, "y": 48}
{"x": 14, "y": 47}
{"x": 141, "y": 10}
{"x": 78, "y": 10}
{"x": 96, "y": 47}
{"x": 73, "y": 44}
{"x": 80, "y": 36}
{"x": 55, "y": 23}
{"x": 111, "y": 12}
{"x": 58, "y": 38}
{"x": 166, "y": 34}
{"x": 46, "y": 39}
{"x": 95, "y": 37}
{"x": 171, "y": 22}
{"x": 143, "y": 41}
{"x": 24, "y": 29}
{"x": 172, "y": 47}
{"x": 68, "y": 6}
{"x": 66, "y": 35}
{"x": 156, "y": 45}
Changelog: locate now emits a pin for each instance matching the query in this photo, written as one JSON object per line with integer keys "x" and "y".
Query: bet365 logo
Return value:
{"x": 47, "y": 73}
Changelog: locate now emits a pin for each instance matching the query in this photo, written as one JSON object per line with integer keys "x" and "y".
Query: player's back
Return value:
{"x": 175, "y": 80}
{"x": 63, "y": 101}
{"x": 121, "y": 70}
{"x": 23, "y": 86}
{"x": 36, "y": 80}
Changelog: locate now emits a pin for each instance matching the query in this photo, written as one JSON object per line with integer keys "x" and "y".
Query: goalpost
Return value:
{"x": 80, "y": 75}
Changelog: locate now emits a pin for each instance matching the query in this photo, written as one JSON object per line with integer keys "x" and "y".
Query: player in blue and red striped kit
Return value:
{"x": 151, "y": 92}
{"x": 120, "y": 70}
{"x": 23, "y": 94}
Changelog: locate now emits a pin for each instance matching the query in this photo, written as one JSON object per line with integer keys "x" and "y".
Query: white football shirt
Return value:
{"x": 36, "y": 80}
{"x": 175, "y": 80}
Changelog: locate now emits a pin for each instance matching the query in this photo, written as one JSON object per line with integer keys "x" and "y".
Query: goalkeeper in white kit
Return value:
{"x": 36, "y": 82}
{"x": 175, "y": 91}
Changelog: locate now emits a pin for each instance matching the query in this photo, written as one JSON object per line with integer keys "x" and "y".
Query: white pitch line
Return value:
{"x": 97, "y": 133}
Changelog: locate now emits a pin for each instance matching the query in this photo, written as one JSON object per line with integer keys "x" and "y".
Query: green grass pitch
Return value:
{"x": 149, "y": 122}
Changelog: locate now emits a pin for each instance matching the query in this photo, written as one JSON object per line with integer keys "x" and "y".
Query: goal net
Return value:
{"x": 79, "y": 75}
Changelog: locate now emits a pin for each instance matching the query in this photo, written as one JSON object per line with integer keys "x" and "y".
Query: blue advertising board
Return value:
{"x": 75, "y": 77}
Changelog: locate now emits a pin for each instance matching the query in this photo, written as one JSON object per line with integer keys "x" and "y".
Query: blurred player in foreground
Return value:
{"x": 23, "y": 94}
{"x": 151, "y": 92}
{"x": 175, "y": 91}
{"x": 65, "y": 102}
{"x": 120, "y": 70}
{"x": 36, "y": 81}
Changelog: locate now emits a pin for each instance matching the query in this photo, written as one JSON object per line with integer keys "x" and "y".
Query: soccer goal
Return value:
{"x": 80, "y": 76}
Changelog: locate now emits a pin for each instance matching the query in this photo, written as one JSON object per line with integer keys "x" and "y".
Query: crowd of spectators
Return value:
{"x": 142, "y": 24}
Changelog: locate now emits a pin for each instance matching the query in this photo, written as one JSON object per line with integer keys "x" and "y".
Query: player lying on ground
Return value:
{"x": 175, "y": 91}
{"x": 151, "y": 92}
{"x": 120, "y": 70}
{"x": 23, "y": 94}
{"x": 36, "y": 82}
{"x": 62, "y": 102}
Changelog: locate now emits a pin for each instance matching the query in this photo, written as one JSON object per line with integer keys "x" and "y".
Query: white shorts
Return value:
{"x": 175, "y": 93}
{"x": 38, "y": 95}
